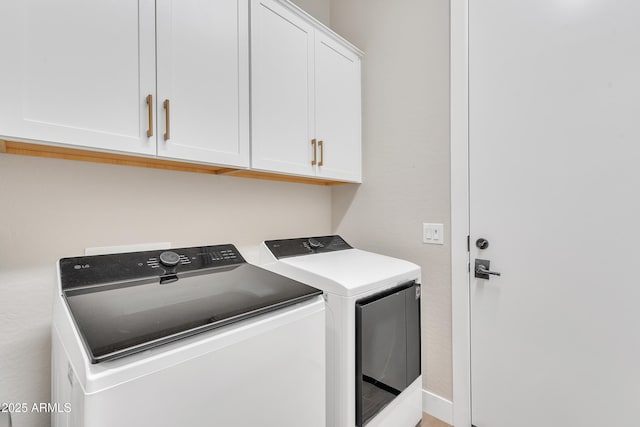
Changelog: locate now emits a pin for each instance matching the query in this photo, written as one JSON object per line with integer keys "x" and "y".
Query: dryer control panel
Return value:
{"x": 306, "y": 245}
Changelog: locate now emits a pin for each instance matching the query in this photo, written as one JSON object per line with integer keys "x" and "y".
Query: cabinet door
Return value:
{"x": 203, "y": 70}
{"x": 77, "y": 72}
{"x": 282, "y": 89}
{"x": 337, "y": 110}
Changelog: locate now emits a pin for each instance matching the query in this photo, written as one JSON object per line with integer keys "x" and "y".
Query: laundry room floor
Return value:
{"x": 429, "y": 421}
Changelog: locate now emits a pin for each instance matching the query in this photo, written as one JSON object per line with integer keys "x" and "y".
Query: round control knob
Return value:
{"x": 170, "y": 259}
{"x": 482, "y": 243}
{"x": 314, "y": 243}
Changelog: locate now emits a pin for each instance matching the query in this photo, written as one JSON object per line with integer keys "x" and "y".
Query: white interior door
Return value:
{"x": 203, "y": 71}
{"x": 554, "y": 138}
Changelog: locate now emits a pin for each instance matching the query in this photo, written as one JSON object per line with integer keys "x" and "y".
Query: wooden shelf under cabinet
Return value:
{"x": 38, "y": 150}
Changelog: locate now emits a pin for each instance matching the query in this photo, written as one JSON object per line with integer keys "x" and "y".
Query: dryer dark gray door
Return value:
{"x": 387, "y": 348}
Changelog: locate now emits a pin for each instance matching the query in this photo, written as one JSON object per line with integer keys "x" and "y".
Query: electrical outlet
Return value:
{"x": 433, "y": 233}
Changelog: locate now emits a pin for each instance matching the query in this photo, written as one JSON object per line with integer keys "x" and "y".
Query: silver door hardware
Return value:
{"x": 482, "y": 269}
{"x": 482, "y": 243}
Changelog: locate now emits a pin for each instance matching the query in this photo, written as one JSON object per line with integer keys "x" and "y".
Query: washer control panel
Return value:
{"x": 169, "y": 258}
{"x": 306, "y": 245}
{"x": 100, "y": 269}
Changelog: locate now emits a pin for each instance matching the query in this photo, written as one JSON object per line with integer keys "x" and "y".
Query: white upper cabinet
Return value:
{"x": 203, "y": 80}
{"x": 305, "y": 96}
{"x": 337, "y": 110}
{"x": 83, "y": 73}
{"x": 282, "y": 89}
{"x": 78, "y": 72}
{"x": 171, "y": 79}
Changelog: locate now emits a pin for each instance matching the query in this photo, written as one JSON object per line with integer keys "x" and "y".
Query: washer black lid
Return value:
{"x": 122, "y": 317}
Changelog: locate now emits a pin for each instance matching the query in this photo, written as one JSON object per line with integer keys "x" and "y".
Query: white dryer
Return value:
{"x": 373, "y": 328}
{"x": 187, "y": 337}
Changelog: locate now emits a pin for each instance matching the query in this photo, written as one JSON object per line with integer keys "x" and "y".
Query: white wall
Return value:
{"x": 54, "y": 208}
{"x": 319, "y": 9}
{"x": 406, "y": 153}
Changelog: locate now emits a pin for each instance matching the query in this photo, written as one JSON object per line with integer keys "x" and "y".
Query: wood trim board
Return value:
{"x": 64, "y": 153}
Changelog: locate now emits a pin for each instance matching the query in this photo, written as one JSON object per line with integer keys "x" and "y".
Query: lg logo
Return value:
{"x": 81, "y": 266}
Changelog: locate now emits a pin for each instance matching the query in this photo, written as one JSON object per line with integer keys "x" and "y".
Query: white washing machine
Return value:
{"x": 187, "y": 337}
{"x": 373, "y": 328}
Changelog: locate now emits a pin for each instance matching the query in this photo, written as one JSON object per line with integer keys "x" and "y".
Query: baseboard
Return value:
{"x": 437, "y": 407}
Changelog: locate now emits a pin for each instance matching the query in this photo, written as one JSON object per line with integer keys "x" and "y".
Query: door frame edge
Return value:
{"x": 460, "y": 218}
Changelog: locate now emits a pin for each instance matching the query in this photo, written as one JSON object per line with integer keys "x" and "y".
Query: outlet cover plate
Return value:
{"x": 433, "y": 233}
